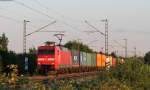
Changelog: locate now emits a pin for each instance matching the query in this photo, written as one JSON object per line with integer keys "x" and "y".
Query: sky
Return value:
{"x": 127, "y": 19}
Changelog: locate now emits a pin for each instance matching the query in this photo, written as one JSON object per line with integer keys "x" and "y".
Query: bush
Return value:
{"x": 9, "y": 57}
{"x": 147, "y": 58}
{"x": 133, "y": 73}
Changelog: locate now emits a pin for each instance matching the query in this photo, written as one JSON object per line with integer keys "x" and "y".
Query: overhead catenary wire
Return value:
{"x": 92, "y": 31}
{"x": 104, "y": 34}
{"x": 94, "y": 28}
{"x": 44, "y": 14}
{"x": 54, "y": 31}
{"x": 58, "y": 13}
{"x": 52, "y": 10}
{"x": 119, "y": 43}
{"x": 41, "y": 28}
{"x": 97, "y": 30}
{"x": 35, "y": 10}
{"x": 10, "y": 18}
{"x": 13, "y": 19}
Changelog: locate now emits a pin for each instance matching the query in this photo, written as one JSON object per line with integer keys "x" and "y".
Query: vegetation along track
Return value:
{"x": 62, "y": 76}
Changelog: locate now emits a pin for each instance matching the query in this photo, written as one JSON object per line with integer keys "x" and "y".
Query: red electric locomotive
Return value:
{"x": 52, "y": 57}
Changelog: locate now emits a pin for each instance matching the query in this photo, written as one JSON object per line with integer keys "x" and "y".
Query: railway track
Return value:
{"x": 62, "y": 76}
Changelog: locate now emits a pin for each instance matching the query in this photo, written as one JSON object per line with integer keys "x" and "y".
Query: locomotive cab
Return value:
{"x": 46, "y": 58}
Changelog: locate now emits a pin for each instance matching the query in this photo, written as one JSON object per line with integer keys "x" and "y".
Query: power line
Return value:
{"x": 53, "y": 31}
{"x": 35, "y": 10}
{"x": 10, "y": 18}
{"x": 6, "y": 0}
{"x": 59, "y": 15}
{"x": 104, "y": 34}
{"x": 41, "y": 28}
{"x": 50, "y": 9}
{"x": 119, "y": 43}
{"x": 94, "y": 28}
{"x": 125, "y": 46}
{"x": 38, "y": 11}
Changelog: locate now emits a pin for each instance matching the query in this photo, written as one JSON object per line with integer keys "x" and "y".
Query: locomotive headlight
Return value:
{"x": 50, "y": 59}
{"x": 40, "y": 59}
{"x": 39, "y": 63}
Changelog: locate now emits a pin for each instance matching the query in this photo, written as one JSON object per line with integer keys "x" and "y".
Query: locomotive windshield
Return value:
{"x": 45, "y": 51}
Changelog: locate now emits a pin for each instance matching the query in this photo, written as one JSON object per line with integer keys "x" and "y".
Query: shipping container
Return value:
{"x": 75, "y": 57}
{"x": 110, "y": 60}
{"x": 93, "y": 59}
{"x": 83, "y": 59}
{"x": 103, "y": 60}
{"x": 113, "y": 61}
{"x": 89, "y": 57}
{"x": 100, "y": 60}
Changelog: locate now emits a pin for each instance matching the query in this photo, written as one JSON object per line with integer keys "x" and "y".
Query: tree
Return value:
{"x": 49, "y": 42}
{"x": 113, "y": 54}
{"x": 3, "y": 42}
{"x": 1, "y": 67}
{"x": 32, "y": 50}
{"x": 147, "y": 58}
{"x": 76, "y": 45}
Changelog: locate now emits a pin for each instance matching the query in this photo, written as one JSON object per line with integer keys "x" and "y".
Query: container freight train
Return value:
{"x": 58, "y": 58}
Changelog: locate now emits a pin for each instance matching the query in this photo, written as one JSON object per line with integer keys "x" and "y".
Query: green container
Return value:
{"x": 89, "y": 59}
{"x": 93, "y": 59}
